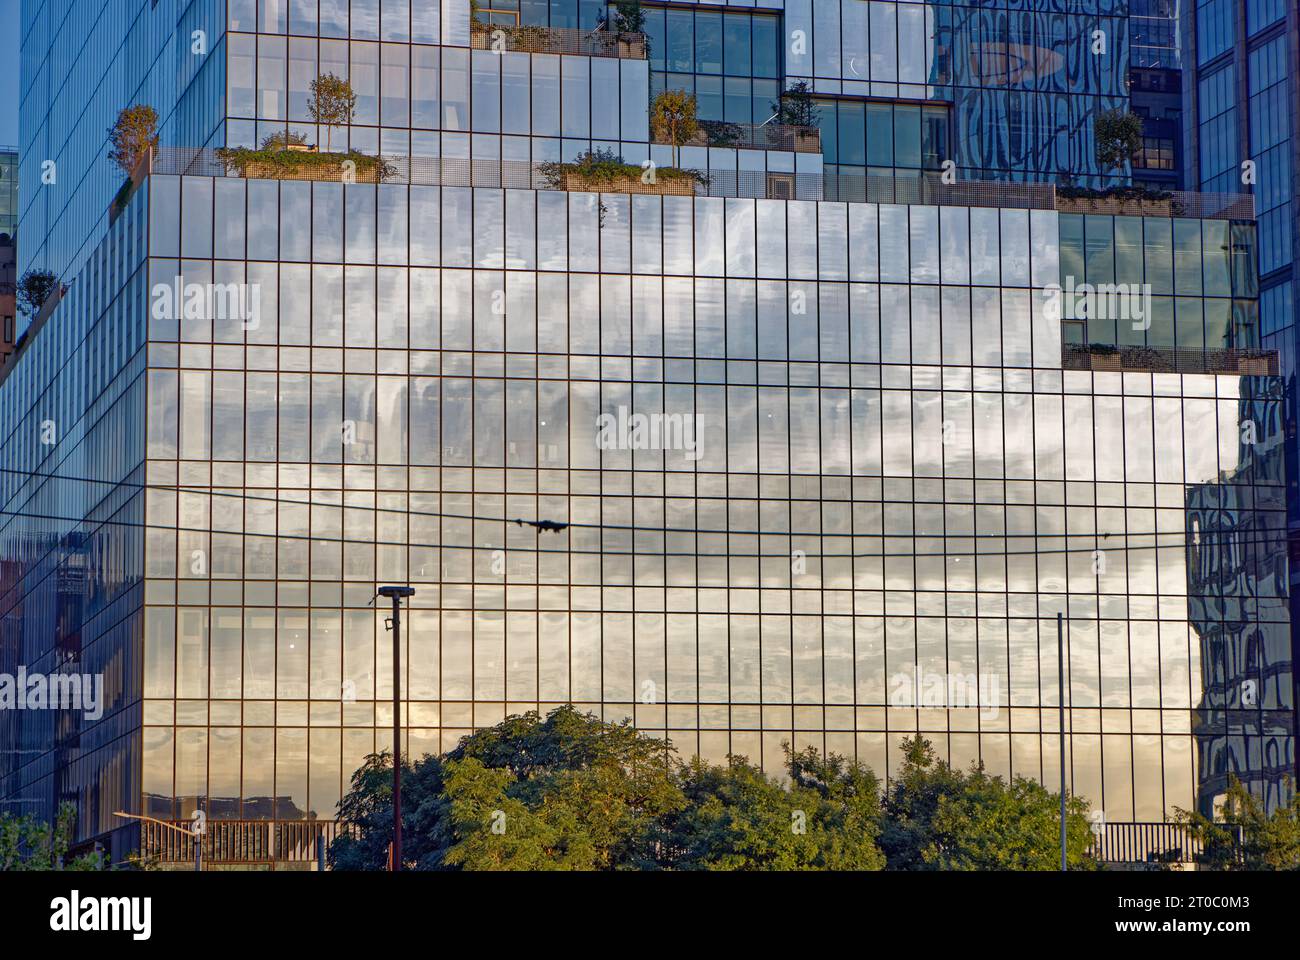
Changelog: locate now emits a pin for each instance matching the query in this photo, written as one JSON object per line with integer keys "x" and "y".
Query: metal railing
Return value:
{"x": 925, "y": 188}
{"x": 240, "y": 841}
{"x": 1146, "y": 842}
{"x": 535, "y": 39}
{"x": 1246, "y": 363}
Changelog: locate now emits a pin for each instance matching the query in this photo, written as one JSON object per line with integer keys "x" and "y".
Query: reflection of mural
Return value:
{"x": 1237, "y": 605}
{"x": 1024, "y": 90}
{"x": 1000, "y": 64}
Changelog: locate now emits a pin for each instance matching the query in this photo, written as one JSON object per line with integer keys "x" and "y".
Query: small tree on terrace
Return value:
{"x": 629, "y": 17}
{"x": 797, "y": 108}
{"x": 333, "y": 103}
{"x": 673, "y": 119}
{"x": 1119, "y": 138}
{"x": 133, "y": 135}
{"x": 34, "y": 289}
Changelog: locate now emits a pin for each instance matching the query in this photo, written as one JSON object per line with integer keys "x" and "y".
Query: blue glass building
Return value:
{"x": 1241, "y": 120}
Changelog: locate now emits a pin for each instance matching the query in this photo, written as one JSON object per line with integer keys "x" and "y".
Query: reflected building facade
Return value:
{"x": 1240, "y": 134}
{"x": 8, "y": 250}
{"x": 899, "y": 444}
{"x": 1236, "y": 598}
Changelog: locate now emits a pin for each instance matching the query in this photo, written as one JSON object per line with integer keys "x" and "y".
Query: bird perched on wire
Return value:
{"x": 546, "y": 526}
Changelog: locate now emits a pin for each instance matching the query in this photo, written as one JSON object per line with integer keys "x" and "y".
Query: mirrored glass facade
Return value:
{"x": 806, "y": 456}
{"x": 1240, "y": 134}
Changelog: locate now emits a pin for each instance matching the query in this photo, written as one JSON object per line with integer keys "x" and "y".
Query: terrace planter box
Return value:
{"x": 1118, "y": 206}
{"x": 296, "y": 163}
{"x": 664, "y": 186}
{"x": 307, "y": 171}
{"x": 808, "y": 137}
{"x": 632, "y": 46}
{"x": 1106, "y": 361}
{"x": 1257, "y": 366}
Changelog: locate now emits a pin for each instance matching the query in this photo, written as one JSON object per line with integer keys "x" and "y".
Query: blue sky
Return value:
{"x": 9, "y": 72}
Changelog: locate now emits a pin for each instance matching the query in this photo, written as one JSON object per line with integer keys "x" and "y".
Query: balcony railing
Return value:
{"x": 535, "y": 39}
{"x": 1151, "y": 843}
{"x": 774, "y": 185}
{"x": 749, "y": 136}
{"x": 240, "y": 841}
{"x": 1246, "y": 363}
{"x": 1178, "y": 203}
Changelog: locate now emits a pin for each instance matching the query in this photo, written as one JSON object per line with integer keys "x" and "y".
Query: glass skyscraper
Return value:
{"x": 809, "y": 448}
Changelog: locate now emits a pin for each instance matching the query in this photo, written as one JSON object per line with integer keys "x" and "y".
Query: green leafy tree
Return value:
{"x": 1247, "y": 837}
{"x": 937, "y": 818}
{"x": 738, "y": 819}
{"x": 629, "y": 16}
{"x": 588, "y": 793}
{"x": 34, "y": 289}
{"x": 567, "y": 792}
{"x": 673, "y": 119}
{"x": 996, "y": 825}
{"x": 367, "y": 809}
{"x": 797, "y": 108}
{"x": 333, "y": 103}
{"x": 1118, "y": 136}
{"x": 494, "y": 829}
{"x": 133, "y": 135}
{"x": 29, "y": 843}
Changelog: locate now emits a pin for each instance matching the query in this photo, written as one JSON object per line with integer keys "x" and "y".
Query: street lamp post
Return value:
{"x": 396, "y": 594}
{"x": 1060, "y": 680}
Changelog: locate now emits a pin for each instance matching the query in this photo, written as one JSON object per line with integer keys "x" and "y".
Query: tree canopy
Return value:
{"x": 133, "y": 134}
{"x": 673, "y": 119}
{"x": 34, "y": 289}
{"x": 29, "y": 843}
{"x": 1118, "y": 136}
{"x": 1246, "y": 836}
{"x": 938, "y": 818}
{"x": 571, "y": 792}
{"x": 333, "y": 103}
